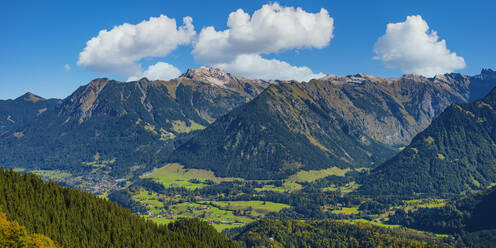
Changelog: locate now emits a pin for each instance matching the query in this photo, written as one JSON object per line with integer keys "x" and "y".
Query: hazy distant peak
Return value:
{"x": 487, "y": 73}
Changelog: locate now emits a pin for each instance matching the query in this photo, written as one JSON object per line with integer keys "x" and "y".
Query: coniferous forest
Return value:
{"x": 72, "y": 218}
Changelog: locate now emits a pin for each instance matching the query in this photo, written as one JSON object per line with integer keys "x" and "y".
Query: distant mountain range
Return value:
{"x": 252, "y": 128}
{"x": 125, "y": 123}
{"x": 348, "y": 122}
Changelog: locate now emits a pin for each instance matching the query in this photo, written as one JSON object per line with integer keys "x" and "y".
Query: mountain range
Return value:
{"x": 128, "y": 123}
{"x": 356, "y": 121}
{"x": 210, "y": 119}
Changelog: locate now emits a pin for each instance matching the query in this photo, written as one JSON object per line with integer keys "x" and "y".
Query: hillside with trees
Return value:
{"x": 329, "y": 233}
{"x": 455, "y": 154}
{"x": 72, "y": 218}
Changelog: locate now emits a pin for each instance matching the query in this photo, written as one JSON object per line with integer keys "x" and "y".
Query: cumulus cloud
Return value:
{"x": 117, "y": 51}
{"x": 254, "y": 66}
{"x": 413, "y": 48}
{"x": 158, "y": 71}
{"x": 67, "y": 67}
{"x": 270, "y": 29}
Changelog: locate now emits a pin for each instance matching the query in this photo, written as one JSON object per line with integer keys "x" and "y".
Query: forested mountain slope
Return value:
{"x": 74, "y": 218}
{"x": 472, "y": 218}
{"x": 328, "y": 233}
{"x": 16, "y": 113}
{"x": 124, "y": 124}
{"x": 455, "y": 154}
{"x": 354, "y": 121}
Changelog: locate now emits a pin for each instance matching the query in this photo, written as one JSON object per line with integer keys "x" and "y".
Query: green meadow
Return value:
{"x": 174, "y": 175}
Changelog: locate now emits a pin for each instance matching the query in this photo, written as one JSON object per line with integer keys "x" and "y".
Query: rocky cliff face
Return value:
{"x": 220, "y": 78}
{"x": 353, "y": 121}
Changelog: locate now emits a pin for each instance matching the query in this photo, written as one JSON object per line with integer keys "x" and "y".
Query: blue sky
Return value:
{"x": 41, "y": 37}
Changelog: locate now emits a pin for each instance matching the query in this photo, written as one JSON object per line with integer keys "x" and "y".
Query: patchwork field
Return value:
{"x": 221, "y": 214}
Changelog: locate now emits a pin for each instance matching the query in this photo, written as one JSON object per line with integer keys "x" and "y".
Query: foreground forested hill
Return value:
{"x": 73, "y": 218}
{"x": 14, "y": 235}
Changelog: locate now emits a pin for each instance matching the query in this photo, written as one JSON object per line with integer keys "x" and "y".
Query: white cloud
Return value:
{"x": 118, "y": 51}
{"x": 256, "y": 67}
{"x": 411, "y": 47}
{"x": 67, "y": 67}
{"x": 271, "y": 29}
{"x": 158, "y": 71}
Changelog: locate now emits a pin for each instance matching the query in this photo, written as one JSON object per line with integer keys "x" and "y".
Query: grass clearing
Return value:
{"x": 269, "y": 187}
{"x": 346, "y": 211}
{"x": 349, "y": 187}
{"x": 174, "y": 175}
{"x": 149, "y": 199}
{"x": 179, "y": 126}
{"x": 423, "y": 203}
{"x": 312, "y": 175}
{"x": 291, "y": 186}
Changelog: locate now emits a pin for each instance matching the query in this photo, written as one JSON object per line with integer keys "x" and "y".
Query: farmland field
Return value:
{"x": 174, "y": 175}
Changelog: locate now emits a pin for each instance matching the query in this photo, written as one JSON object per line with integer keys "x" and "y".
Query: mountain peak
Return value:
{"x": 98, "y": 82}
{"x": 212, "y": 75}
{"x": 31, "y": 97}
{"x": 487, "y": 73}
